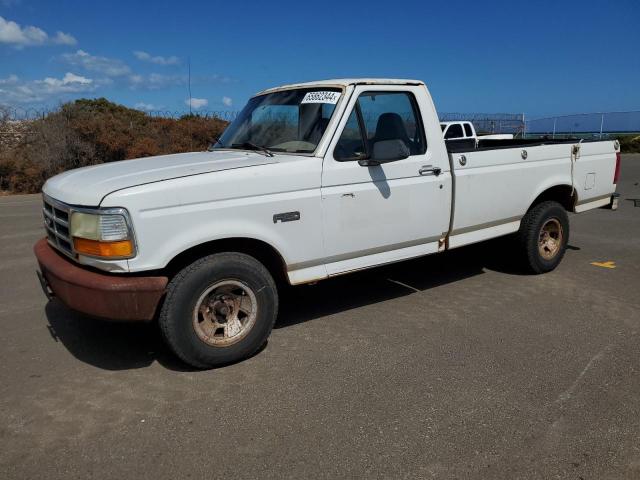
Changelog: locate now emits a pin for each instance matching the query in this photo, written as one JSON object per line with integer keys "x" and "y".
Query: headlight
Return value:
{"x": 105, "y": 235}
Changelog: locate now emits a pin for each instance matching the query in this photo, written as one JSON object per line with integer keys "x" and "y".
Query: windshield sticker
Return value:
{"x": 321, "y": 97}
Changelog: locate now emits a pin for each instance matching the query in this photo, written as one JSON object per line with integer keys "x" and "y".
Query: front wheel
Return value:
{"x": 543, "y": 236}
{"x": 219, "y": 310}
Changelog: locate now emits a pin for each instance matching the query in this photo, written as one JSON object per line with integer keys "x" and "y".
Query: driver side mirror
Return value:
{"x": 386, "y": 151}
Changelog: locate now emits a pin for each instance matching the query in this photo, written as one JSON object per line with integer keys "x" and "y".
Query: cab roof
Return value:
{"x": 344, "y": 82}
{"x": 455, "y": 121}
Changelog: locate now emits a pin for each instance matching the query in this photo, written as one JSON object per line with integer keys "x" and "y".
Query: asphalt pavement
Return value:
{"x": 450, "y": 366}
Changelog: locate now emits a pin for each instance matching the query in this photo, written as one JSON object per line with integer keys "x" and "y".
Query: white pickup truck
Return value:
{"x": 310, "y": 181}
{"x": 465, "y": 130}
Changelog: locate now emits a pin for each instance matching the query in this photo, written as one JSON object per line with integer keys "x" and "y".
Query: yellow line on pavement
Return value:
{"x": 608, "y": 264}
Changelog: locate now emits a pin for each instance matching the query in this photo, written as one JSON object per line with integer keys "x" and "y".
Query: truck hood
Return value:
{"x": 89, "y": 185}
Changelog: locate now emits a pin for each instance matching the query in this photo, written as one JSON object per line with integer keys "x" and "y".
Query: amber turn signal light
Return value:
{"x": 122, "y": 248}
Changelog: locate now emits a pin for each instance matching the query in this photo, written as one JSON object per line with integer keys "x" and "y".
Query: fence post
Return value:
{"x": 554, "y": 127}
{"x": 601, "y": 125}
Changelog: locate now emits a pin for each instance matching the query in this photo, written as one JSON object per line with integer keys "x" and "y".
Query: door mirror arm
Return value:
{"x": 368, "y": 162}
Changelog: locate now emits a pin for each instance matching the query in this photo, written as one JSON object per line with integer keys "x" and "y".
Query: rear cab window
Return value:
{"x": 454, "y": 131}
{"x": 379, "y": 116}
{"x": 468, "y": 130}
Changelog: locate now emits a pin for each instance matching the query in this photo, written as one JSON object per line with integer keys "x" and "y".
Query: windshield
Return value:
{"x": 287, "y": 121}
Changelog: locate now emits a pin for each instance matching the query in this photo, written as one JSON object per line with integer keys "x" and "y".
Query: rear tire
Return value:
{"x": 543, "y": 236}
{"x": 219, "y": 310}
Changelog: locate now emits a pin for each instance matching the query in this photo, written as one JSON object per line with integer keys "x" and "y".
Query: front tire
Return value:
{"x": 219, "y": 310}
{"x": 543, "y": 236}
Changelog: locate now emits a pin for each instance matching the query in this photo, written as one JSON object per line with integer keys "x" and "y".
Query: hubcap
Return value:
{"x": 550, "y": 239}
{"x": 225, "y": 313}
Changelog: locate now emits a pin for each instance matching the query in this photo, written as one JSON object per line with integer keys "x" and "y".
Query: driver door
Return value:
{"x": 381, "y": 213}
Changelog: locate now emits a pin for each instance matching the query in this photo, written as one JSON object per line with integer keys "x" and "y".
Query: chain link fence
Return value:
{"x": 486, "y": 123}
{"x": 15, "y": 122}
{"x": 585, "y": 125}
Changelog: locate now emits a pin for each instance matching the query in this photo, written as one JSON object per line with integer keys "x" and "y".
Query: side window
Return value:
{"x": 454, "y": 131}
{"x": 350, "y": 145}
{"x": 381, "y": 116}
{"x": 467, "y": 130}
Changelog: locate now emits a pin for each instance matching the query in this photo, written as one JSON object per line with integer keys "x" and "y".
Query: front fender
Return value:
{"x": 173, "y": 216}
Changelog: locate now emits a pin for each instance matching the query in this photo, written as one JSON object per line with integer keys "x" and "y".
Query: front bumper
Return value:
{"x": 116, "y": 297}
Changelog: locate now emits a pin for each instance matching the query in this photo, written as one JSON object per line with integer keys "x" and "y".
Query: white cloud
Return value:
{"x": 147, "y": 107}
{"x": 158, "y": 60}
{"x": 49, "y": 88}
{"x": 11, "y": 32}
{"x": 111, "y": 67}
{"x": 10, "y": 80}
{"x": 227, "y": 101}
{"x": 62, "y": 38}
{"x": 68, "y": 79}
{"x": 14, "y": 34}
{"x": 197, "y": 102}
{"x": 155, "y": 81}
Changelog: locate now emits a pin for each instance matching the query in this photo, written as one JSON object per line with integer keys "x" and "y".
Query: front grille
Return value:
{"x": 56, "y": 223}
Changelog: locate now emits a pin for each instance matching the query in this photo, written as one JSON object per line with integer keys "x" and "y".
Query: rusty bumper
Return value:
{"x": 116, "y": 297}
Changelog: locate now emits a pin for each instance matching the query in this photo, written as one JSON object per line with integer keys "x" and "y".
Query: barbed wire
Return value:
{"x": 580, "y": 123}
{"x": 459, "y": 116}
{"x": 16, "y": 114}
{"x": 593, "y": 122}
{"x": 28, "y": 113}
{"x": 227, "y": 115}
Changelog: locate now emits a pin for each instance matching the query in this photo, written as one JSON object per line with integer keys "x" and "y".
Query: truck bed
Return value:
{"x": 500, "y": 179}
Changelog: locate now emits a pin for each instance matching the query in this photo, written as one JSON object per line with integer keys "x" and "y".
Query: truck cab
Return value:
{"x": 458, "y": 130}
{"x": 464, "y": 133}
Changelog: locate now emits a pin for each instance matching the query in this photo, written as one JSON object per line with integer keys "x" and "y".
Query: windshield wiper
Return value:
{"x": 253, "y": 146}
{"x": 216, "y": 141}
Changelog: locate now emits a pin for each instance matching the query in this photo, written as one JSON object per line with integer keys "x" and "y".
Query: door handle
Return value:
{"x": 430, "y": 170}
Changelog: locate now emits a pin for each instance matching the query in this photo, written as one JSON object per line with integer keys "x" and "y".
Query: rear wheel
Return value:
{"x": 219, "y": 310}
{"x": 543, "y": 236}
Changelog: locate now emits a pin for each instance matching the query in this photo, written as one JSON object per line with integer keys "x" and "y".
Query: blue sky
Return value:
{"x": 542, "y": 57}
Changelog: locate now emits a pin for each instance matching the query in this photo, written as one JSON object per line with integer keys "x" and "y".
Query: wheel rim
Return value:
{"x": 550, "y": 239}
{"x": 225, "y": 313}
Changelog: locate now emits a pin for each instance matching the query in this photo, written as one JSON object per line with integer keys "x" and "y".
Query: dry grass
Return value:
{"x": 89, "y": 132}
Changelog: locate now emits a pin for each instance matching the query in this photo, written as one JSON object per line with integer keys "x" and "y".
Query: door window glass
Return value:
{"x": 350, "y": 146}
{"x": 377, "y": 117}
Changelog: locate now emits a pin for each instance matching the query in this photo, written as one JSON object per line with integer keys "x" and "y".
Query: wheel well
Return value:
{"x": 261, "y": 251}
{"x": 563, "y": 194}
